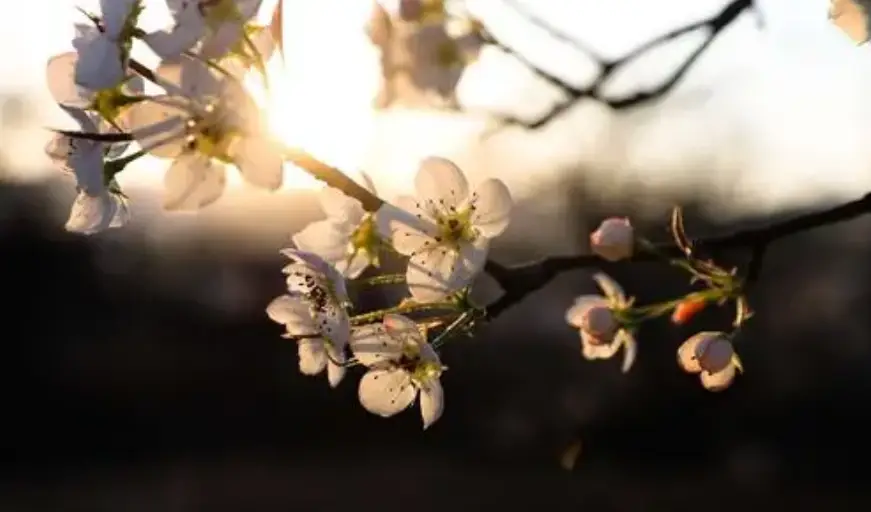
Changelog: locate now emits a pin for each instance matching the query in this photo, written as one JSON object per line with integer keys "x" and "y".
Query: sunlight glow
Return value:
{"x": 319, "y": 99}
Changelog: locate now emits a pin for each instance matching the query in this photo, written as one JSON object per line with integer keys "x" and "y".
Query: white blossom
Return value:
{"x": 446, "y": 229}
{"x": 401, "y": 365}
{"x": 217, "y": 24}
{"x": 597, "y": 318}
{"x": 614, "y": 240}
{"x": 61, "y": 81}
{"x": 347, "y": 238}
{"x": 102, "y": 57}
{"x": 208, "y": 122}
{"x": 314, "y": 311}
{"x": 96, "y": 207}
{"x": 712, "y": 356}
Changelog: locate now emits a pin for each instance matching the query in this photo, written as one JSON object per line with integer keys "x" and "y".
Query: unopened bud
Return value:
{"x": 614, "y": 240}
{"x": 714, "y": 353}
{"x": 686, "y": 310}
{"x": 600, "y": 324}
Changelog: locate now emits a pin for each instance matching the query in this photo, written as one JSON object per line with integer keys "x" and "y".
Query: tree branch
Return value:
{"x": 518, "y": 282}
{"x": 715, "y": 25}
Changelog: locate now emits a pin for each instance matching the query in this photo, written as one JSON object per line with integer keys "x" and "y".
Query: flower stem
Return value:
{"x": 382, "y": 279}
{"x": 407, "y": 307}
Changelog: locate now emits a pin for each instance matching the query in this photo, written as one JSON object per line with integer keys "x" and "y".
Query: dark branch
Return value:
{"x": 518, "y": 282}
{"x": 714, "y": 25}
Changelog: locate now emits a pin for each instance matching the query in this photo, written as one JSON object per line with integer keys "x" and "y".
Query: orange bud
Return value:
{"x": 686, "y": 310}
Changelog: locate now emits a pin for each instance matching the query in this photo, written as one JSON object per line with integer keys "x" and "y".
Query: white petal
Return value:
{"x": 492, "y": 202}
{"x": 434, "y": 274}
{"x": 170, "y": 44}
{"x": 432, "y": 402}
{"x": 86, "y": 162}
{"x": 325, "y": 238}
{"x": 405, "y": 227}
{"x": 158, "y": 125}
{"x": 720, "y": 380}
{"x": 293, "y": 313}
{"x": 575, "y": 314}
{"x": 594, "y": 351}
{"x": 99, "y": 65}
{"x": 220, "y": 42}
{"x": 372, "y": 345}
{"x": 440, "y": 184}
{"x": 115, "y": 14}
{"x": 60, "y": 77}
{"x": 335, "y": 372}
{"x": 401, "y": 327}
{"x": 686, "y": 353}
{"x": 386, "y": 392}
{"x": 335, "y": 325}
{"x": 90, "y": 215}
{"x": 260, "y": 162}
{"x": 339, "y": 207}
{"x": 612, "y": 290}
{"x": 193, "y": 181}
{"x": 473, "y": 257}
{"x": 312, "y": 356}
{"x": 354, "y": 265}
{"x": 630, "y": 349}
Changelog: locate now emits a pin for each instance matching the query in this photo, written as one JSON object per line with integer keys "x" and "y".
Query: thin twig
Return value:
{"x": 714, "y": 25}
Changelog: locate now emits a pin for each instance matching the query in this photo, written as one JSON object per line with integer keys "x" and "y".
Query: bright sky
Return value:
{"x": 777, "y": 117}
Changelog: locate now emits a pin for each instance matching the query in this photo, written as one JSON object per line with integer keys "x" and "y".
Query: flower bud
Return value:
{"x": 714, "y": 353}
{"x": 614, "y": 240}
{"x": 600, "y": 324}
{"x": 686, "y": 310}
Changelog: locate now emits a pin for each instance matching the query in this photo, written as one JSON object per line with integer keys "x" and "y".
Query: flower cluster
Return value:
{"x": 444, "y": 230}
{"x": 204, "y": 120}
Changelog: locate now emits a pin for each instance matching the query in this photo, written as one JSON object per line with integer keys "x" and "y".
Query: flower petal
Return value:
{"x": 170, "y": 44}
{"x": 405, "y": 226}
{"x": 99, "y": 65}
{"x": 260, "y": 162}
{"x": 115, "y": 14}
{"x": 354, "y": 265}
{"x": 402, "y": 328}
{"x": 630, "y": 349}
{"x": 293, "y": 313}
{"x": 592, "y": 350}
{"x": 720, "y": 380}
{"x": 386, "y": 392}
{"x": 493, "y": 203}
{"x": 473, "y": 257}
{"x": 93, "y": 214}
{"x": 372, "y": 345}
{"x": 335, "y": 372}
{"x": 312, "y": 356}
{"x": 158, "y": 125}
{"x": 612, "y": 290}
{"x": 686, "y": 352}
{"x": 432, "y": 401}
{"x": 60, "y": 77}
{"x": 440, "y": 185}
{"x": 339, "y": 207}
{"x": 334, "y": 324}
{"x": 325, "y": 238}
{"x": 575, "y": 314}
{"x": 434, "y": 274}
{"x": 192, "y": 182}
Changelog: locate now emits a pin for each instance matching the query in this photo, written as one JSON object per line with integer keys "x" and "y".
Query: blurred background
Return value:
{"x": 142, "y": 373}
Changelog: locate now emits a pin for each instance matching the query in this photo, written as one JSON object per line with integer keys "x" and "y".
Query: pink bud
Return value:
{"x": 600, "y": 324}
{"x": 714, "y": 354}
{"x": 614, "y": 240}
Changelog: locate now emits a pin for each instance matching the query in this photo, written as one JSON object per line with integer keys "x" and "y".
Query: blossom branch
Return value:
{"x": 714, "y": 25}
{"x": 518, "y": 282}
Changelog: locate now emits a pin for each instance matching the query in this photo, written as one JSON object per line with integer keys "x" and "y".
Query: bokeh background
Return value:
{"x": 142, "y": 374}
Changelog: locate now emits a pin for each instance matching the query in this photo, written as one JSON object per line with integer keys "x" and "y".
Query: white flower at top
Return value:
{"x": 614, "y": 240}
{"x": 206, "y": 123}
{"x": 102, "y": 51}
{"x": 712, "y": 356}
{"x": 217, "y": 24}
{"x": 446, "y": 229}
{"x": 597, "y": 318}
{"x": 347, "y": 238}
{"x": 401, "y": 364}
{"x": 96, "y": 207}
{"x": 315, "y": 312}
